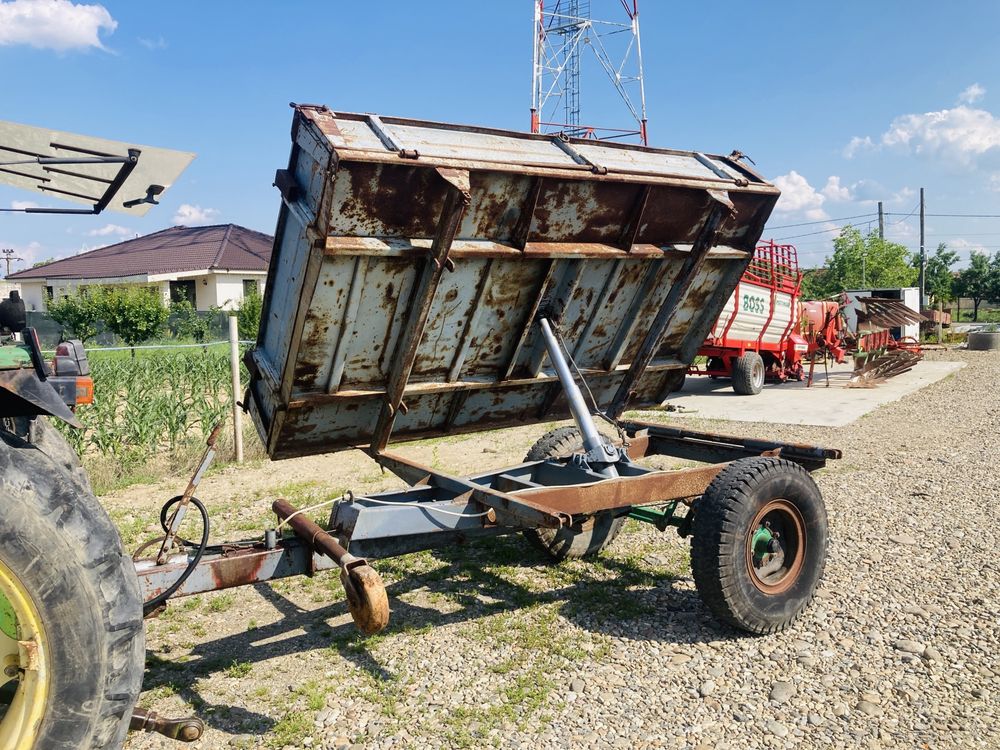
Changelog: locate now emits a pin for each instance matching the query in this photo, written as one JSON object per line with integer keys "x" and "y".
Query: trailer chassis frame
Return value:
{"x": 553, "y": 492}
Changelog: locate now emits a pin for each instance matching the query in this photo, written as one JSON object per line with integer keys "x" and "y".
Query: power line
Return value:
{"x": 821, "y": 231}
{"x": 823, "y": 221}
{"x": 953, "y": 216}
{"x": 905, "y": 217}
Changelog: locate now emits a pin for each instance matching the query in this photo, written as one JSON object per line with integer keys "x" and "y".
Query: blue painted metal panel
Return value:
{"x": 603, "y": 246}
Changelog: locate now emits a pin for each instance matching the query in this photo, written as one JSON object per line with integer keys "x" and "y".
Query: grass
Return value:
{"x": 238, "y": 669}
{"x": 221, "y": 602}
{"x": 292, "y": 728}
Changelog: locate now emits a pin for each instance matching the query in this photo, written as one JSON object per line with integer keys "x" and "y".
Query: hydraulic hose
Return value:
{"x": 158, "y": 600}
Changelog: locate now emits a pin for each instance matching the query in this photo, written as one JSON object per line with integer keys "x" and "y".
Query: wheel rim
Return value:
{"x": 757, "y": 373}
{"x": 24, "y": 657}
{"x": 776, "y": 547}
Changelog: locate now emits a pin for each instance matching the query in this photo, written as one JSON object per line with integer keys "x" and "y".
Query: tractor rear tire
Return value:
{"x": 748, "y": 374}
{"x": 46, "y": 437}
{"x": 741, "y": 579}
{"x": 587, "y": 536}
{"x": 73, "y": 590}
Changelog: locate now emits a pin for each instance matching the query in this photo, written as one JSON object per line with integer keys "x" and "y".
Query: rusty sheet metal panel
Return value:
{"x": 411, "y": 258}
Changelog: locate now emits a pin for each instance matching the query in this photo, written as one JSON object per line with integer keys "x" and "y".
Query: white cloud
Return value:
{"x": 189, "y": 215}
{"x": 961, "y": 134}
{"x": 110, "y": 229}
{"x": 153, "y": 44}
{"x": 54, "y": 24}
{"x": 905, "y": 195}
{"x": 834, "y": 191}
{"x": 798, "y": 196}
{"x": 972, "y": 94}
{"x": 21, "y": 205}
{"x": 857, "y": 145}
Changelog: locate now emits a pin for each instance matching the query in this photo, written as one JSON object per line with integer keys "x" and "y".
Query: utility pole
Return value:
{"x": 923, "y": 255}
{"x": 881, "y": 222}
{"x": 8, "y": 255}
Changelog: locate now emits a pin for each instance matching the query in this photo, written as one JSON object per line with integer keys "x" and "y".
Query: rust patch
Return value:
{"x": 237, "y": 568}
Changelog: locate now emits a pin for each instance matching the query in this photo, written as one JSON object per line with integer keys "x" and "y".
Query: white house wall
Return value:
{"x": 204, "y": 292}
{"x": 228, "y": 291}
{"x": 33, "y": 294}
{"x": 211, "y": 289}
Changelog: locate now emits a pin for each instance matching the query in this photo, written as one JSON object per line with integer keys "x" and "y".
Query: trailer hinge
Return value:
{"x": 379, "y": 128}
{"x": 563, "y": 142}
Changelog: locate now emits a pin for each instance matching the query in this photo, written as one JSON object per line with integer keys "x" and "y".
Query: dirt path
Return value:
{"x": 489, "y": 646}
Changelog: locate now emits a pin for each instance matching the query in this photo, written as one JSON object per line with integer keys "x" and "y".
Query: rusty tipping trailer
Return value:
{"x": 432, "y": 279}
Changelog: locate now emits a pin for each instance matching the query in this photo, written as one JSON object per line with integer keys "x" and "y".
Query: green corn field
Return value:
{"x": 158, "y": 402}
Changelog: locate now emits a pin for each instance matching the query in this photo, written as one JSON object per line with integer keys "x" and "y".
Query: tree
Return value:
{"x": 976, "y": 282}
{"x": 814, "y": 283}
{"x": 870, "y": 262}
{"x": 186, "y": 322}
{"x": 135, "y": 314}
{"x": 248, "y": 315}
{"x": 78, "y": 313}
{"x": 994, "y": 278}
{"x": 939, "y": 281}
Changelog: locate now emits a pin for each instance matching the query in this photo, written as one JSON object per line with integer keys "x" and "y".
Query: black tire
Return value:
{"x": 45, "y": 436}
{"x": 728, "y": 518}
{"x": 587, "y": 536}
{"x": 67, "y": 555}
{"x": 748, "y": 374}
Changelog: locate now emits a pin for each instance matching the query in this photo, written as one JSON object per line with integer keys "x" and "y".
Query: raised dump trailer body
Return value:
{"x": 412, "y": 258}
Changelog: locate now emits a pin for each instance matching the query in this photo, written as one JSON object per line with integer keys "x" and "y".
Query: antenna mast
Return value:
{"x": 564, "y": 31}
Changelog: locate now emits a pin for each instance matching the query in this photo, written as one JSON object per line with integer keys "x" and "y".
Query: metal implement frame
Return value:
{"x": 53, "y": 164}
{"x": 437, "y": 509}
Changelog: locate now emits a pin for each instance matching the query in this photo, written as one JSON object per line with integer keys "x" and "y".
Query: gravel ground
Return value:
{"x": 491, "y": 647}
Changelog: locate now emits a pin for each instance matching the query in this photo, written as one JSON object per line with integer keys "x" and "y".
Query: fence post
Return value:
{"x": 234, "y": 363}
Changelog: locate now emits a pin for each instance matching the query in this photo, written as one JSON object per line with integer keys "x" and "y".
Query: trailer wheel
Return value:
{"x": 71, "y": 632}
{"x": 590, "y": 535}
{"x": 758, "y": 546}
{"x": 748, "y": 374}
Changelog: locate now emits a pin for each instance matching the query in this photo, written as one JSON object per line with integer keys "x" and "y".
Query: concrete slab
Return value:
{"x": 793, "y": 403}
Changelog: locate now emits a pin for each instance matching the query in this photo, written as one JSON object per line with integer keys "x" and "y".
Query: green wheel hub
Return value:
{"x": 8, "y": 618}
{"x": 24, "y": 665}
{"x": 759, "y": 543}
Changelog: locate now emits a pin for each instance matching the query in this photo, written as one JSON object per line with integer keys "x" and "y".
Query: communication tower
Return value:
{"x": 569, "y": 44}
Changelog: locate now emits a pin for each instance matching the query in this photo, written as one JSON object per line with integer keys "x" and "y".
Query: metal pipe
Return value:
{"x": 318, "y": 539}
{"x": 578, "y": 407}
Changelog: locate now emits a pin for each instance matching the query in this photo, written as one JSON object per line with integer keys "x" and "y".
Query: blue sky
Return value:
{"x": 841, "y": 104}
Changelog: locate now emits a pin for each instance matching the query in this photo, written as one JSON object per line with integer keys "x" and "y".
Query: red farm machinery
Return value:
{"x": 757, "y": 334}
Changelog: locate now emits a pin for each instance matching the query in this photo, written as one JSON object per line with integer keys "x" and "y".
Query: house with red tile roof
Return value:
{"x": 209, "y": 266}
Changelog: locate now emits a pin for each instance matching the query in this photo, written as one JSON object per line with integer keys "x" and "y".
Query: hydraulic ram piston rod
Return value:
{"x": 592, "y": 442}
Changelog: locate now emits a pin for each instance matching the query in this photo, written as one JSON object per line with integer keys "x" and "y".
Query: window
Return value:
{"x": 49, "y": 293}
{"x": 250, "y": 287}
{"x": 181, "y": 291}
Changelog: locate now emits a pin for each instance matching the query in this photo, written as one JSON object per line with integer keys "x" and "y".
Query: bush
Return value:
{"x": 78, "y": 313}
{"x": 248, "y": 316}
{"x": 134, "y": 314}
{"x": 185, "y": 322}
